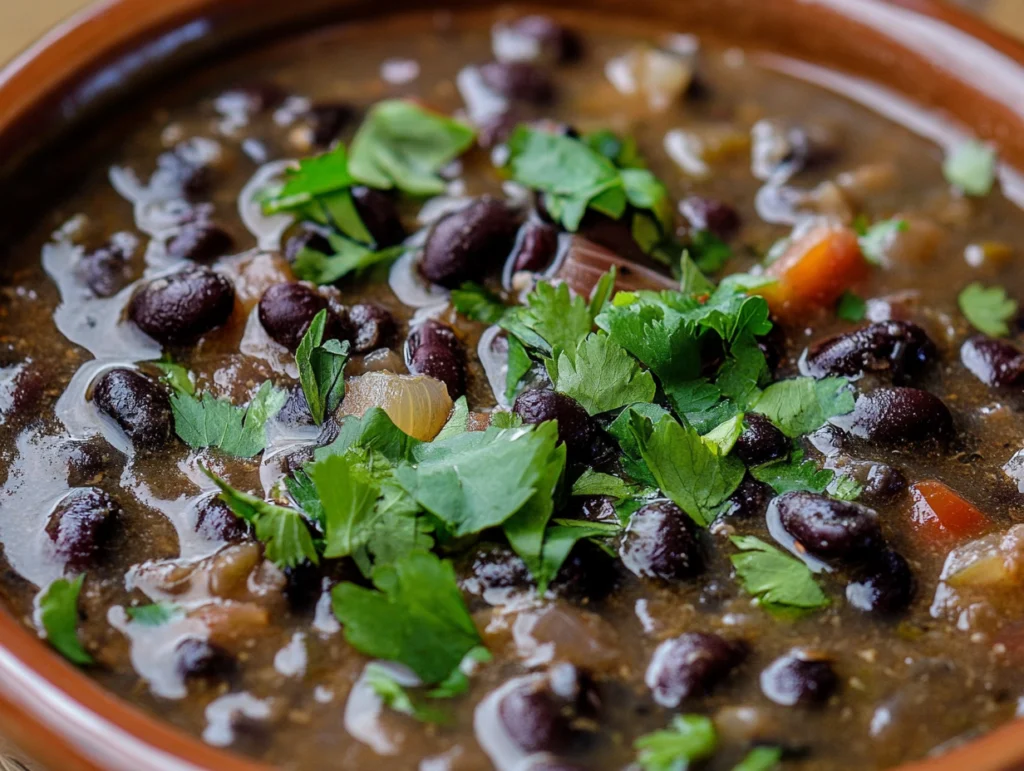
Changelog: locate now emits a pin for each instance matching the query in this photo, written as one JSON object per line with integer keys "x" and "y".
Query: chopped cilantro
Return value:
{"x": 373, "y": 431}
{"x": 58, "y": 615}
{"x": 155, "y": 614}
{"x": 760, "y": 759}
{"x": 397, "y": 529}
{"x": 553, "y": 314}
{"x": 794, "y": 474}
{"x": 988, "y": 309}
{"x": 782, "y": 583}
{"x": 321, "y": 365}
{"x": 283, "y": 531}
{"x": 593, "y": 482}
{"x": 559, "y": 541}
{"x": 401, "y": 144}
{"x": 502, "y": 419}
{"x": 602, "y": 377}
{"x": 318, "y": 176}
{"x": 348, "y": 495}
{"x": 622, "y": 151}
{"x": 621, "y": 430}
{"x": 519, "y": 363}
{"x": 238, "y": 431}
{"x": 176, "y": 376}
{"x": 743, "y": 373}
{"x": 396, "y": 697}
{"x": 349, "y": 257}
{"x": 458, "y": 421}
{"x": 478, "y": 303}
{"x": 708, "y": 251}
{"x": 457, "y": 683}
{"x": 416, "y": 616}
{"x": 851, "y": 307}
{"x": 687, "y": 739}
{"x": 688, "y": 469}
{"x": 724, "y": 435}
{"x": 802, "y": 405}
{"x": 845, "y": 488}
{"x": 971, "y": 167}
{"x": 876, "y": 239}
{"x": 692, "y": 280}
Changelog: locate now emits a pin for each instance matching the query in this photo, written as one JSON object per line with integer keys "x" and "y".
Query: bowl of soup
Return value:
{"x": 468, "y": 386}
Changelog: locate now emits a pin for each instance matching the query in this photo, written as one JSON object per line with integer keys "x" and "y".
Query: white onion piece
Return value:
{"x": 495, "y": 365}
{"x": 268, "y": 229}
{"x": 687, "y": 151}
{"x": 417, "y": 404}
{"x": 410, "y": 287}
{"x": 482, "y": 104}
{"x": 151, "y": 649}
{"x": 659, "y": 76}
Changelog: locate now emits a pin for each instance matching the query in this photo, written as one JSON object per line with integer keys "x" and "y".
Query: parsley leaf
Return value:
{"x": 782, "y": 583}
{"x": 602, "y": 376}
{"x": 802, "y": 405}
{"x": 373, "y": 431}
{"x": 320, "y": 369}
{"x": 876, "y": 239}
{"x": 349, "y": 257}
{"x": 238, "y": 431}
{"x": 621, "y": 429}
{"x": 416, "y": 616}
{"x": 708, "y": 251}
{"x": 972, "y": 167}
{"x": 794, "y": 474}
{"x": 397, "y": 528}
{"x": 401, "y": 144}
{"x": 348, "y": 497}
{"x": 687, "y": 739}
{"x": 519, "y": 363}
{"x": 760, "y": 759}
{"x": 478, "y": 303}
{"x": 176, "y": 376}
{"x": 655, "y": 333}
{"x": 688, "y": 469}
{"x": 851, "y": 307}
{"x": 593, "y": 482}
{"x": 317, "y": 176}
{"x": 58, "y": 615}
{"x": 560, "y": 319}
{"x": 396, "y": 697}
{"x": 559, "y": 541}
{"x": 458, "y": 421}
{"x": 988, "y": 309}
{"x": 282, "y": 531}
{"x": 155, "y": 614}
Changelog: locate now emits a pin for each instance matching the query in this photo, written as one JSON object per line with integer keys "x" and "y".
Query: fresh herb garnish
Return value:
{"x": 478, "y": 303}
{"x": 321, "y": 175}
{"x": 593, "y": 482}
{"x": 416, "y": 616}
{"x": 205, "y": 421}
{"x": 794, "y": 474}
{"x": 559, "y": 540}
{"x": 780, "y": 582}
{"x": 601, "y": 376}
{"x": 395, "y": 696}
{"x": 988, "y": 309}
{"x": 851, "y": 307}
{"x": 971, "y": 166}
{"x": 373, "y": 431}
{"x": 348, "y": 257}
{"x": 176, "y": 376}
{"x": 519, "y": 363}
{"x": 155, "y": 614}
{"x": 760, "y": 759}
{"x": 875, "y": 239}
{"x": 58, "y": 615}
{"x": 708, "y": 251}
{"x": 321, "y": 365}
{"x": 458, "y": 422}
{"x": 688, "y": 738}
{"x": 403, "y": 145}
{"x": 802, "y": 405}
{"x": 283, "y": 531}
{"x": 348, "y": 495}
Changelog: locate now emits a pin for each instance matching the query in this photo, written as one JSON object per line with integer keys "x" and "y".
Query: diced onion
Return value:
{"x": 417, "y": 404}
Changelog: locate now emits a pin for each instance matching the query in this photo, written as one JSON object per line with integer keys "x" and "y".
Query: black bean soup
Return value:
{"x": 517, "y": 392}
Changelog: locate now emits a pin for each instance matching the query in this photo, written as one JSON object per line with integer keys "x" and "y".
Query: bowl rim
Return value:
{"x": 48, "y": 706}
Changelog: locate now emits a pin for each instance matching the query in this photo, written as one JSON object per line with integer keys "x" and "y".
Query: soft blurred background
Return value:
{"x": 22, "y": 22}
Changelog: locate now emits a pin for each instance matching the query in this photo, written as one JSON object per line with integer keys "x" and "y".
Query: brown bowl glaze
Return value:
{"x": 938, "y": 57}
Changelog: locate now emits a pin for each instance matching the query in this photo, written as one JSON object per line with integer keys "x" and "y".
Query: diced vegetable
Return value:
{"x": 940, "y": 514}
{"x": 815, "y": 270}
{"x": 418, "y": 405}
{"x": 992, "y": 562}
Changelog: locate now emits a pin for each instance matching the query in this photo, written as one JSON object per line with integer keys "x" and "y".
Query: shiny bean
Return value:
{"x": 140, "y": 406}
{"x": 828, "y": 527}
{"x": 996, "y": 363}
{"x": 662, "y": 542}
{"x": 464, "y": 245}
{"x": 287, "y": 310}
{"x": 691, "y": 665}
{"x": 433, "y": 350}
{"x": 799, "y": 677}
{"x": 81, "y": 525}
{"x": 897, "y": 415}
{"x": 898, "y": 348}
{"x": 180, "y": 308}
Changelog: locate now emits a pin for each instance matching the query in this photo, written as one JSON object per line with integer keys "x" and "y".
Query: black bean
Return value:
{"x": 192, "y": 176}
{"x": 379, "y": 212}
{"x": 879, "y": 481}
{"x": 576, "y": 427}
{"x": 295, "y": 411}
{"x": 614, "y": 235}
{"x": 498, "y": 567}
{"x": 497, "y": 128}
{"x": 534, "y": 720}
{"x": 691, "y": 665}
{"x": 303, "y": 586}
{"x": 555, "y": 42}
{"x": 464, "y": 245}
{"x": 662, "y": 542}
{"x": 575, "y": 687}
{"x": 761, "y": 441}
{"x": 897, "y": 415}
{"x": 750, "y": 500}
{"x": 308, "y": 235}
{"x": 520, "y": 81}
{"x": 216, "y": 522}
{"x": 712, "y": 215}
{"x": 369, "y": 327}
{"x": 828, "y": 527}
{"x": 588, "y": 573}
{"x": 997, "y": 363}
{"x": 773, "y": 345}
{"x": 799, "y": 678}
{"x": 433, "y": 350}
{"x": 595, "y": 508}
{"x": 195, "y": 658}
{"x": 327, "y": 119}
{"x": 180, "y": 308}
{"x": 81, "y": 525}
{"x": 287, "y": 310}
{"x": 885, "y": 585}
{"x": 259, "y": 97}
{"x": 140, "y": 406}
{"x": 900, "y": 348}
{"x": 536, "y": 247}
{"x": 108, "y": 269}
{"x": 200, "y": 241}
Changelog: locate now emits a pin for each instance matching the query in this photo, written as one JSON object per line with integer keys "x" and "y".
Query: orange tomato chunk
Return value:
{"x": 815, "y": 270}
{"x": 940, "y": 514}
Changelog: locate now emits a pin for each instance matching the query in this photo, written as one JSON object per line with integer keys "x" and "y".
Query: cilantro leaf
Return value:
{"x": 478, "y": 303}
{"x": 708, "y": 251}
{"x": 519, "y": 363}
{"x": 555, "y": 315}
{"x": 457, "y": 683}
{"x": 349, "y": 257}
{"x": 655, "y": 333}
{"x": 743, "y": 373}
{"x": 845, "y": 488}
{"x": 176, "y": 376}
{"x": 593, "y": 482}
{"x": 455, "y": 481}
{"x": 988, "y": 309}
{"x": 317, "y": 176}
{"x": 155, "y": 614}
{"x": 621, "y": 430}
{"x": 622, "y": 151}
{"x": 373, "y": 431}
{"x": 397, "y": 528}
{"x": 458, "y": 422}
{"x": 876, "y": 239}
{"x": 559, "y": 541}
{"x": 602, "y": 376}
{"x": 802, "y": 405}
{"x": 687, "y": 739}
{"x": 401, "y": 144}
{"x": 349, "y": 497}
{"x": 782, "y": 583}
{"x": 794, "y": 474}
{"x": 282, "y": 531}
{"x": 320, "y": 369}
{"x": 851, "y": 307}
{"x": 416, "y": 616}
{"x": 688, "y": 469}
{"x": 58, "y": 615}
{"x": 760, "y": 759}
{"x": 971, "y": 167}
{"x": 692, "y": 280}
{"x": 503, "y": 419}
{"x": 396, "y": 697}
{"x": 238, "y": 431}
{"x": 725, "y": 435}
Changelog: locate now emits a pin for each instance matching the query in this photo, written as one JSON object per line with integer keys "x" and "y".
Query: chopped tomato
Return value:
{"x": 940, "y": 514}
{"x": 815, "y": 270}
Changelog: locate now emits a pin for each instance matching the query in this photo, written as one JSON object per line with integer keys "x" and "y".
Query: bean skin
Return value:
{"x": 520, "y": 81}
{"x": 827, "y": 527}
{"x": 662, "y": 542}
{"x": 576, "y": 427}
{"x": 108, "y": 269}
{"x": 761, "y": 441}
{"x": 217, "y": 522}
{"x": 555, "y": 43}
{"x": 379, "y": 213}
{"x": 197, "y": 658}
{"x": 180, "y": 308}
{"x": 536, "y": 247}
{"x": 464, "y": 245}
{"x": 200, "y": 241}
{"x": 433, "y": 350}
{"x": 899, "y": 348}
{"x": 996, "y": 363}
{"x": 691, "y": 665}
{"x": 81, "y": 525}
{"x": 534, "y": 720}
{"x": 799, "y": 678}
{"x": 141, "y": 407}
{"x": 896, "y": 416}
{"x": 750, "y": 500}
{"x": 327, "y": 119}
{"x": 287, "y": 310}
{"x": 369, "y": 327}
{"x": 886, "y": 585}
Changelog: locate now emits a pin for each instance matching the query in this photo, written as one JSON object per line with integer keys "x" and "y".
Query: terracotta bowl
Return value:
{"x": 941, "y": 59}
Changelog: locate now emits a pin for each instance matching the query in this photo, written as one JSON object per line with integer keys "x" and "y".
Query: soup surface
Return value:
{"x": 500, "y": 391}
